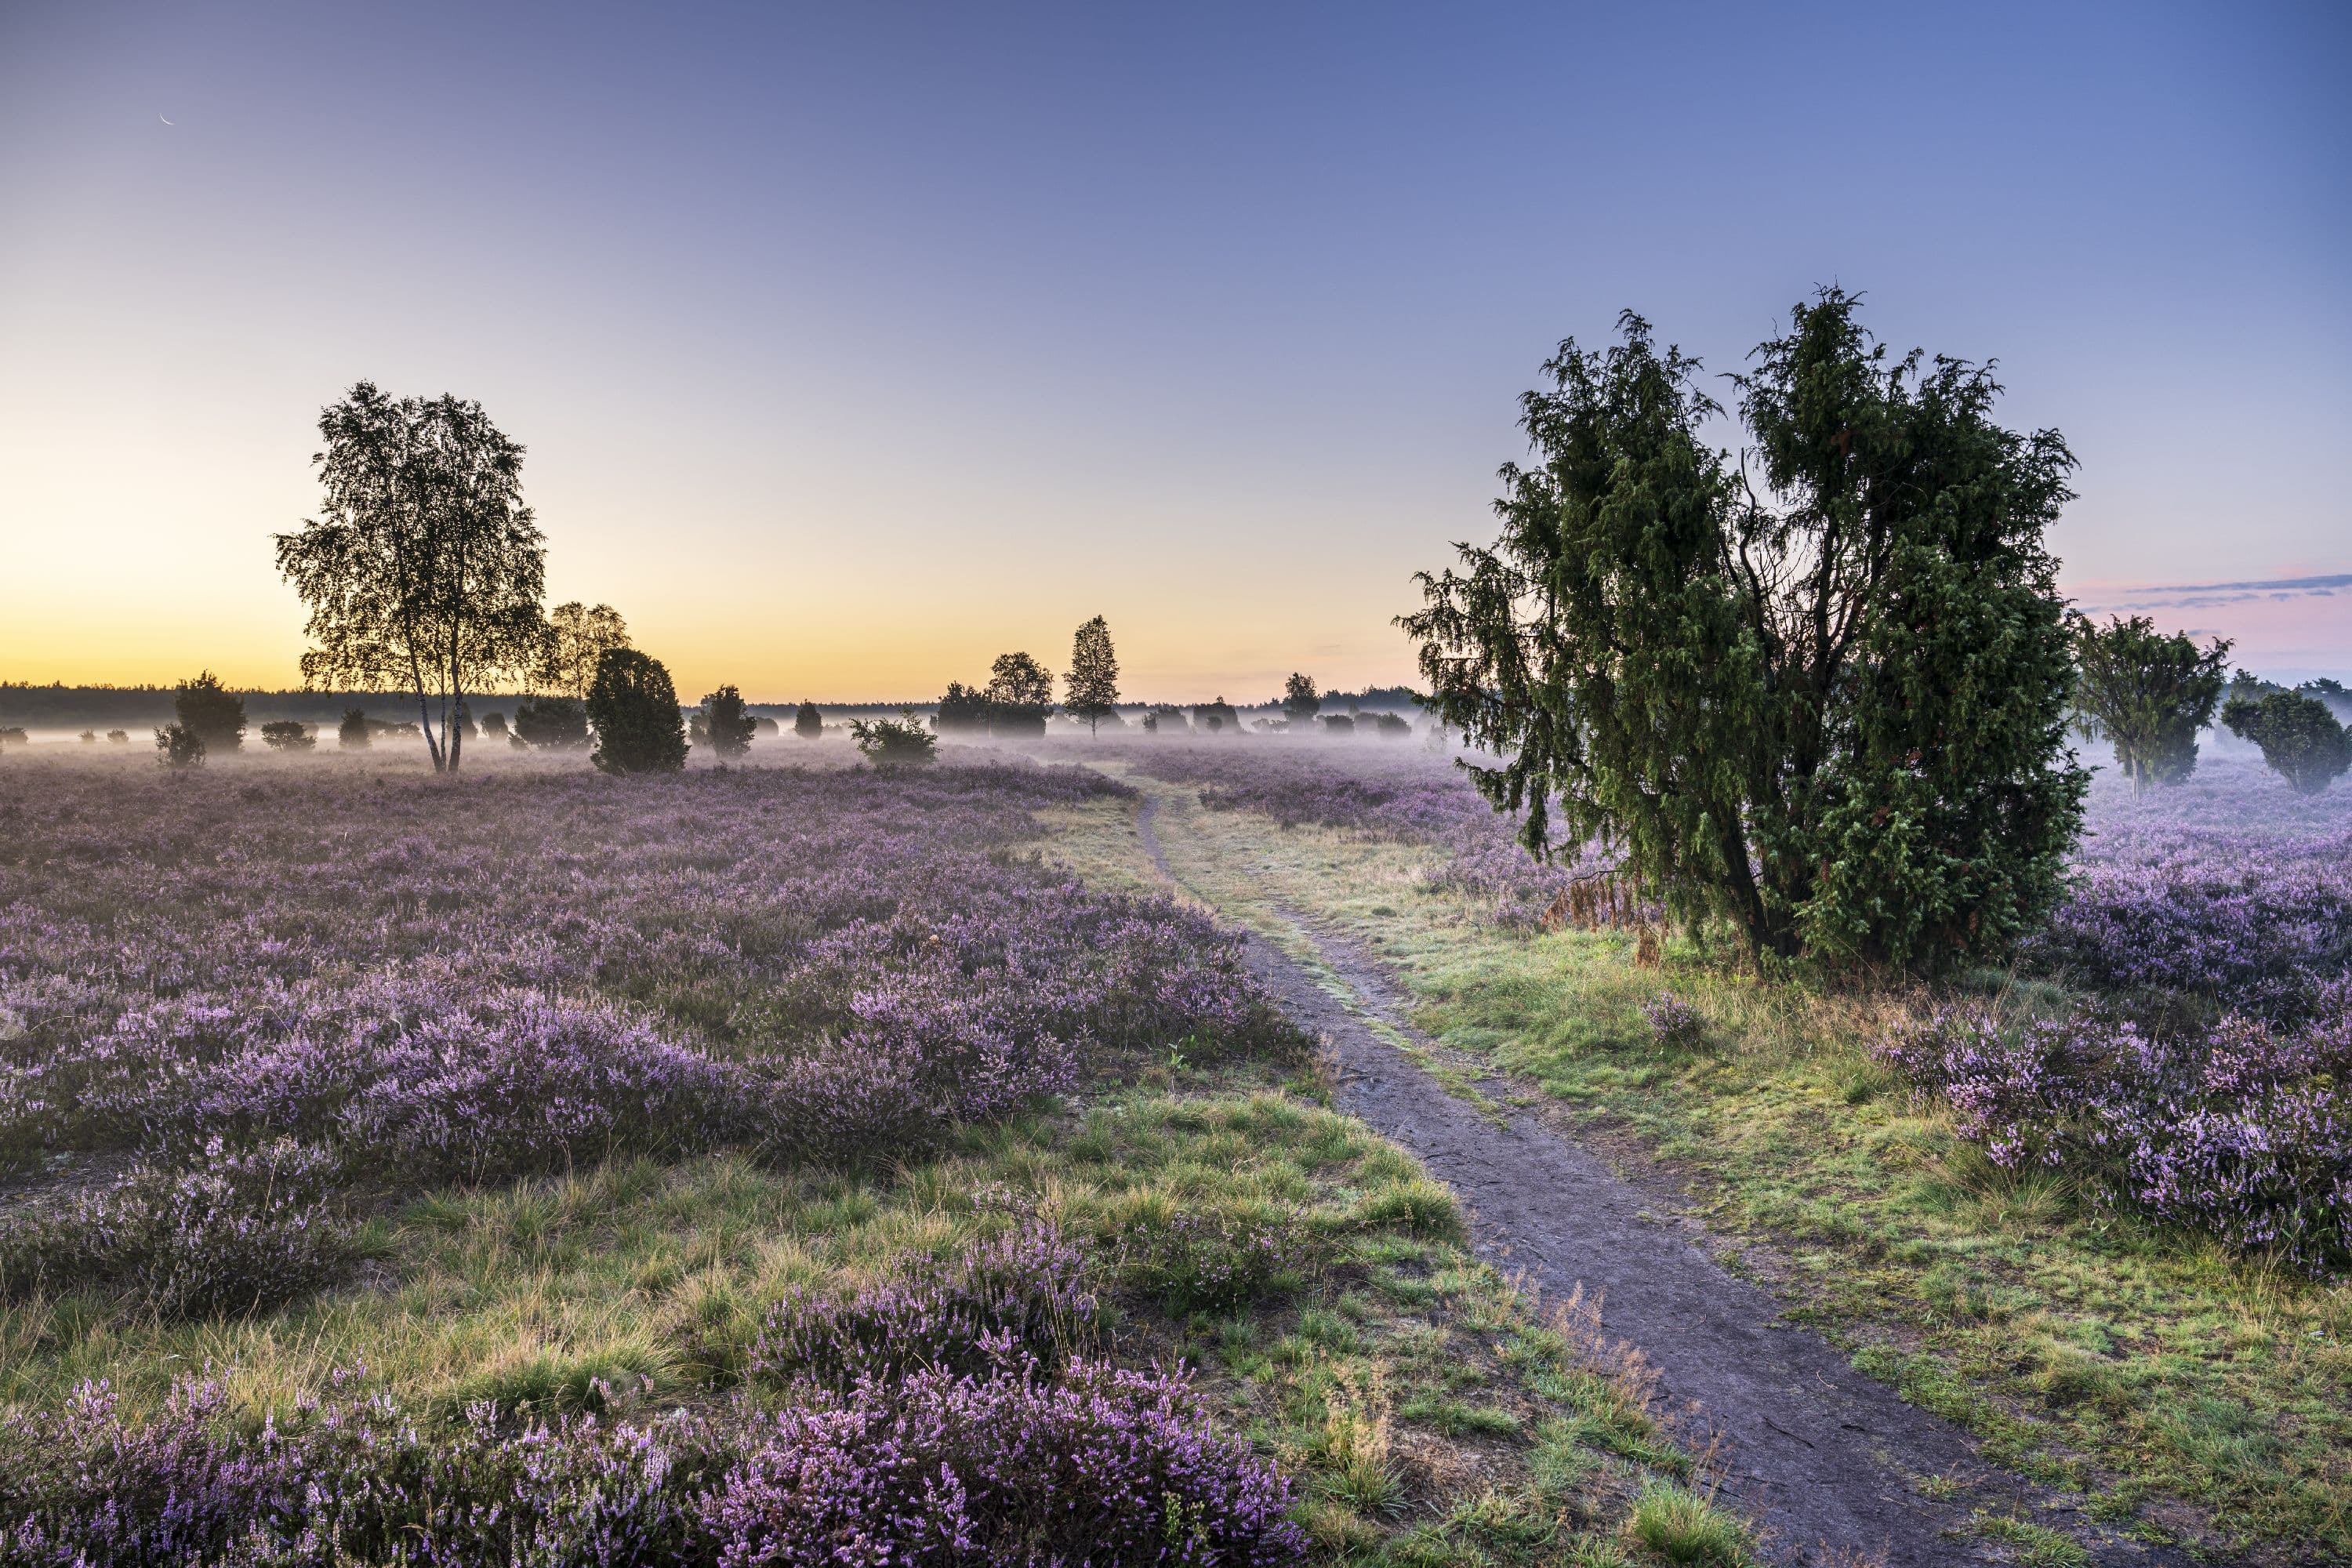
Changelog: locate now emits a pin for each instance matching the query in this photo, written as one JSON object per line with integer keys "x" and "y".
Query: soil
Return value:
{"x": 1824, "y": 1458}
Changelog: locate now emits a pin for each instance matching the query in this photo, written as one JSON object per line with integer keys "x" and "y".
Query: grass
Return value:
{"x": 2149, "y": 1369}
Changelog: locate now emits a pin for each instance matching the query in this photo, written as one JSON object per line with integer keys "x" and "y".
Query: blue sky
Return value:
{"x": 855, "y": 344}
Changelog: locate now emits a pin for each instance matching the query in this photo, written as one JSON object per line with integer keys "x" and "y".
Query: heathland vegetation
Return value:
{"x": 612, "y": 1149}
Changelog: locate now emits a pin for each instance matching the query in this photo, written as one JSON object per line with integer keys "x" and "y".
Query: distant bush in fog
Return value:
{"x": 551, "y": 723}
{"x": 210, "y": 711}
{"x": 288, "y": 735}
{"x": 178, "y": 746}
{"x": 807, "y": 722}
{"x": 353, "y": 735}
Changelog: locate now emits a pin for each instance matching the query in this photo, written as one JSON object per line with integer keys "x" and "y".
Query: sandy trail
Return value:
{"x": 1821, "y": 1455}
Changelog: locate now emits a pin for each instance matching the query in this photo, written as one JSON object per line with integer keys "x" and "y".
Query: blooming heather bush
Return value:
{"x": 1027, "y": 1293}
{"x": 1010, "y": 1467}
{"x": 1097, "y": 1466}
{"x": 2242, "y": 1131}
{"x": 1675, "y": 1024}
{"x": 238, "y": 1228}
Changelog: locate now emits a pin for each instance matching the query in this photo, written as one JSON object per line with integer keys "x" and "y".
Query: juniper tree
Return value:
{"x": 424, "y": 569}
{"x": 2301, "y": 741}
{"x": 1822, "y": 695}
{"x": 212, "y": 712}
{"x": 1092, "y": 686}
{"x": 728, "y": 727}
{"x": 807, "y": 722}
{"x": 634, "y": 708}
{"x": 2146, "y": 694}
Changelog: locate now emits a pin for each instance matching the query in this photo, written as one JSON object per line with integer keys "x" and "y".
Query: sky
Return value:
{"x": 855, "y": 344}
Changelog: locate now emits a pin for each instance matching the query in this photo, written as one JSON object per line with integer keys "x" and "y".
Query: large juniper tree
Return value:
{"x": 424, "y": 569}
{"x": 1823, "y": 695}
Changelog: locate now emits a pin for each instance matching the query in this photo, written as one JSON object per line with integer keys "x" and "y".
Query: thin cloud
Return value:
{"x": 2209, "y": 596}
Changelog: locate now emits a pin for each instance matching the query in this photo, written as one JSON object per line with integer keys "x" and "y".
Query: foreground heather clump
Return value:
{"x": 421, "y": 983}
{"x": 1009, "y": 1466}
{"x": 2242, "y": 1131}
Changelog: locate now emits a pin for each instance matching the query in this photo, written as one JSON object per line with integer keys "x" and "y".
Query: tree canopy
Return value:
{"x": 727, "y": 724}
{"x": 1020, "y": 695}
{"x": 424, "y": 569}
{"x": 2146, "y": 694}
{"x": 634, "y": 708}
{"x": 212, "y": 712}
{"x": 1822, "y": 694}
{"x": 1091, "y": 692}
{"x": 577, "y": 636}
{"x": 2299, "y": 736}
{"x": 1299, "y": 701}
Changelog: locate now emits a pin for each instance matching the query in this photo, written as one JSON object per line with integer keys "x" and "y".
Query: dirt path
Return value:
{"x": 1822, "y": 1456}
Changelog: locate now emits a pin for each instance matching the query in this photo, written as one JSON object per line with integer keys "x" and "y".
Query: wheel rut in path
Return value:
{"x": 1818, "y": 1453}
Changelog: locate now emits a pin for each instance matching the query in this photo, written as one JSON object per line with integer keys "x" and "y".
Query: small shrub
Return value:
{"x": 1675, "y": 1024}
{"x": 551, "y": 723}
{"x": 1027, "y": 1291}
{"x": 90, "y": 737}
{"x": 240, "y": 1229}
{"x": 728, "y": 727}
{"x": 177, "y": 746}
{"x": 1339, "y": 723}
{"x": 212, "y": 713}
{"x": 355, "y": 733}
{"x": 118, "y": 737}
{"x": 288, "y": 736}
{"x": 807, "y": 722}
{"x": 895, "y": 741}
{"x": 494, "y": 725}
{"x": 1215, "y": 1262}
{"x": 14, "y": 735}
{"x": 633, "y": 710}
{"x": 1393, "y": 726}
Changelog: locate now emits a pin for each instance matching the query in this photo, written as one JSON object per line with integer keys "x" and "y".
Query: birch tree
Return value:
{"x": 424, "y": 569}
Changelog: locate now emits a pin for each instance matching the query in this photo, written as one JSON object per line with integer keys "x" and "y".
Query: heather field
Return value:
{"x": 2096, "y": 1208}
{"x": 753, "y": 1166}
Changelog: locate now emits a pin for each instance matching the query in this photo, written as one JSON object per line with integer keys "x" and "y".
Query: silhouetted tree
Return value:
{"x": 551, "y": 723}
{"x": 577, "y": 635}
{"x": 1092, "y": 687}
{"x": 118, "y": 737}
{"x": 178, "y": 746}
{"x": 1299, "y": 701}
{"x": 288, "y": 736}
{"x": 212, "y": 712}
{"x": 1834, "y": 712}
{"x": 2147, "y": 694}
{"x": 807, "y": 722}
{"x": 2299, "y": 736}
{"x": 963, "y": 711}
{"x": 728, "y": 727}
{"x": 1020, "y": 695}
{"x": 633, "y": 710}
{"x": 494, "y": 725}
{"x": 353, "y": 735}
{"x": 424, "y": 568}
{"x": 1339, "y": 723}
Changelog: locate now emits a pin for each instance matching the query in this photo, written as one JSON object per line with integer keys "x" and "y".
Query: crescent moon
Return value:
{"x": 165, "y": 122}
